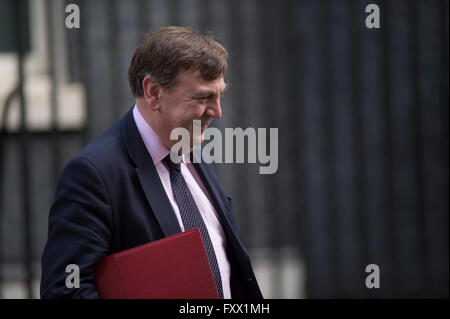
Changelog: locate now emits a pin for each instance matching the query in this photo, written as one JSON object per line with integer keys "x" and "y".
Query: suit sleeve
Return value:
{"x": 79, "y": 232}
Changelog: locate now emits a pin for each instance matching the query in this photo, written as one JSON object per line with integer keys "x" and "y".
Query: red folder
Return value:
{"x": 175, "y": 267}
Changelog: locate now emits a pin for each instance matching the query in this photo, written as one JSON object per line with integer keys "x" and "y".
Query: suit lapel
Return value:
{"x": 148, "y": 177}
{"x": 209, "y": 180}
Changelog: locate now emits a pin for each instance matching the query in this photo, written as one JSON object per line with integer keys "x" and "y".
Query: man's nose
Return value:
{"x": 214, "y": 109}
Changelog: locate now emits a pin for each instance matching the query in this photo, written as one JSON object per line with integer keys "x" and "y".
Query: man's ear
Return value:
{"x": 151, "y": 91}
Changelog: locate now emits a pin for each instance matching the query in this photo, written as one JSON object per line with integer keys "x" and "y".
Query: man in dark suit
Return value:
{"x": 122, "y": 191}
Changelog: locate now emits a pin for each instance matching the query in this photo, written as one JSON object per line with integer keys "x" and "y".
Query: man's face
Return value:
{"x": 192, "y": 98}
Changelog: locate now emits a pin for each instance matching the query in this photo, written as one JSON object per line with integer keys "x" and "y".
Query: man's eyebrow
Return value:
{"x": 205, "y": 93}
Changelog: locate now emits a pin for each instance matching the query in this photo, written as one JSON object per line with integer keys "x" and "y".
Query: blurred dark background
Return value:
{"x": 362, "y": 116}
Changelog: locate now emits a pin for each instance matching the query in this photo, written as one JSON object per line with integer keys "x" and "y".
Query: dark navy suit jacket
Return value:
{"x": 110, "y": 198}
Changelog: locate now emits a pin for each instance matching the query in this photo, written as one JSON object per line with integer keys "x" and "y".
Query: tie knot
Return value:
{"x": 172, "y": 166}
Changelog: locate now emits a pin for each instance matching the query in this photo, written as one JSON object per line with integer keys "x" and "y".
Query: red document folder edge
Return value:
{"x": 175, "y": 267}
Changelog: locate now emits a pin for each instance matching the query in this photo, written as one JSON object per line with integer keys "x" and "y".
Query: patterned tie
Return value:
{"x": 191, "y": 217}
